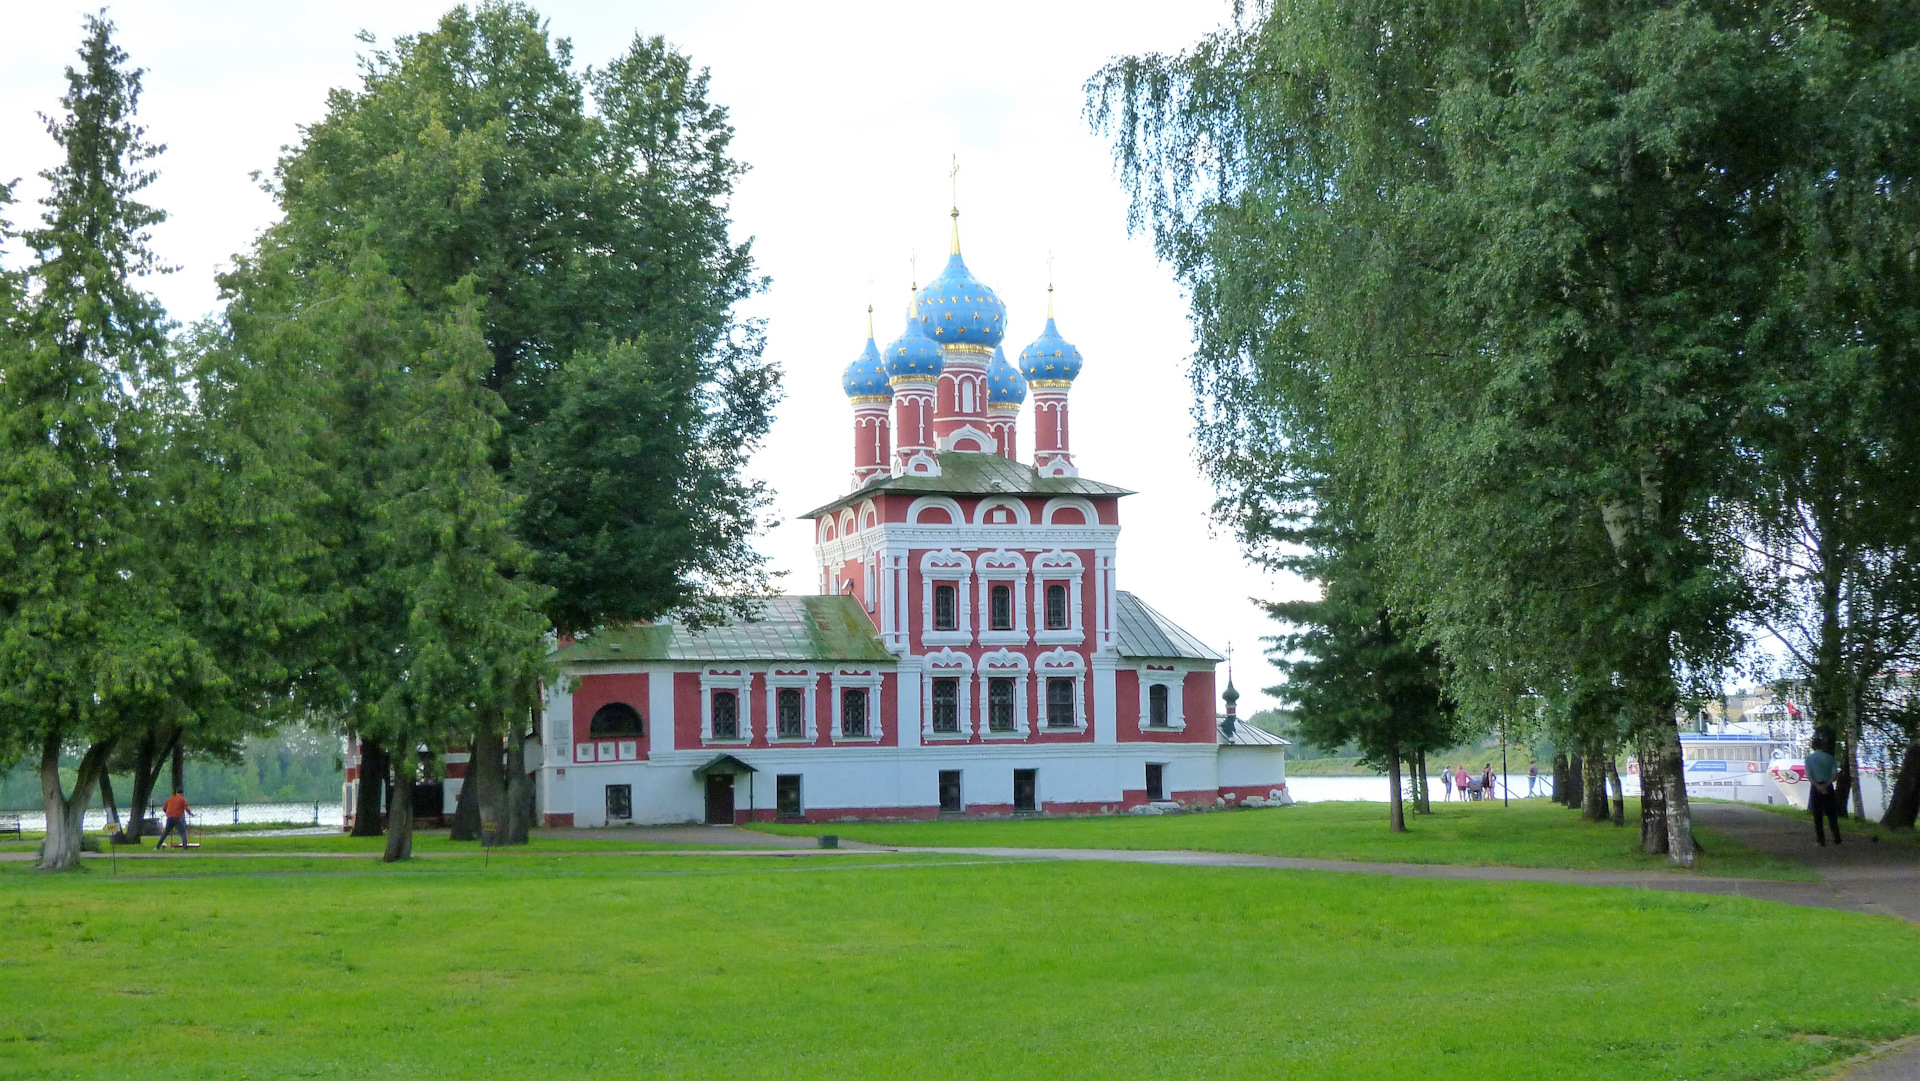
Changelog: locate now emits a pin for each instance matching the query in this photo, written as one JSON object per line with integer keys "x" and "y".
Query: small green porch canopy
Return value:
{"x": 724, "y": 763}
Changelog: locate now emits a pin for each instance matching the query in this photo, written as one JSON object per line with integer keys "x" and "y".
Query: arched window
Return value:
{"x": 616, "y": 719}
{"x": 1157, "y": 705}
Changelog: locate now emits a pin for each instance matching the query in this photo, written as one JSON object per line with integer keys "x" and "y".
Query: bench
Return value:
{"x": 10, "y": 824}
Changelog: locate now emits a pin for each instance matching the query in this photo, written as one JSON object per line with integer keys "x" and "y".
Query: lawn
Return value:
{"x": 214, "y": 842}
{"x": 887, "y": 966}
{"x": 1530, "y": 833}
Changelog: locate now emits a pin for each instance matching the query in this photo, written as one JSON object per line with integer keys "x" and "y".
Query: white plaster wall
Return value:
{"x": 1241, "y": 766}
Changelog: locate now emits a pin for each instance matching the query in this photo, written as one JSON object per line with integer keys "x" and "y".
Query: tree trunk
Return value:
{"x": 106, "y": 797}
{"x": 1673, "y": 768}
{"x": 150, "y": 757}
{"x": 67, "y": 811}
{"x": 1560, "y": 777}
{"x": 373, "y": 785}
{"x": 1653, "y": 799}
{"x": 179, "y": 765}
{"x": 1903, "y": 803}
{"x": 1422, "y": 795}
{"x": 1593, "y": 797}
{"x": 1397, "y": 815}
{"x": 400, "y": 814}
{"x": 1859, "y": 800}
{"x": 519, "y": 790}
{"x": 1577, "y": 782}
{"x": 1619, "y": 793}
{"x": 466, "y": 809}
{"x": 487, "y": 775}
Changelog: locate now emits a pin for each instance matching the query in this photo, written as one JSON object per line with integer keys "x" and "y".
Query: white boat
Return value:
{"x": 1750, "y": 761}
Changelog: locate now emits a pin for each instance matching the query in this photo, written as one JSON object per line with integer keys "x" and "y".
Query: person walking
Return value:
{"x": 1822, "y": 798}
{"x": 176, "y": 811}
{"x": 1486, "y": 781}
{"x": 1533, "y": 776}
{"x": 1446, "y": 784}
{"x": 1460, "y": 780}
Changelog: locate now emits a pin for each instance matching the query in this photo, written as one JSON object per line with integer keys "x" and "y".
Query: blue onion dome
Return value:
{"x": 866, "y": 376}
{"x": 1004, "y": 384}
{"x": 956, "y": 309}
{"x": 1050, "y": 358}
{"x": 913, "y": 355}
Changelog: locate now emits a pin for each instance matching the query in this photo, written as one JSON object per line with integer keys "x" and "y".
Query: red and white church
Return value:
{"x": 969, "y": 650}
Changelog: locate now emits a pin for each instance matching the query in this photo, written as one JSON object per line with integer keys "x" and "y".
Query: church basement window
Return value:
{"x": 786, "y": 796}
{"x": 1000, "y": 601}
{"x": 853, "y": 711}
{"x": 946, "y": 705}
{"x": 1000, "y": 704}
{"x": 1060, "y": 711}
{"x": 726, "y": 715}
{"x": 790, "y": 709}
{"x": 946, "y": 607}
{"x": 1057, "y": 606}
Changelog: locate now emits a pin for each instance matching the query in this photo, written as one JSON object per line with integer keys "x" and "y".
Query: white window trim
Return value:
{"x": 1175, "y": 682}
{"x": 982, "y": 513}
{"x": 843, "y": 680}
{"x": 1058, "y": 566}
{"x": 1001, "y": 567}
{"x": 741, "y": 684}
{"x": 947, "y": 664}
{"x": 946, "y": 566}
{"x": 1002, "y": 664}
{"x": 807, "y": 682}
{"x": 1061, "y": 664}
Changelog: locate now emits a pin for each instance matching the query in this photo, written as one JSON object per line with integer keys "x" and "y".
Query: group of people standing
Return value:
{"x": 1468, "y": 785}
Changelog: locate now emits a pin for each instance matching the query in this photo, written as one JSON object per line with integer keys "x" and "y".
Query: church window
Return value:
{"x": 619, "y": 802}
{"x": 853, "y": 711}
{"x": 790, "y": 708}
{"x": 726, "y": 715}
{"x": 1157, "y": 705}
{"x": 1057, "y": 606}
{"x": 946, "y": 705}
{"x": 1060, "y": 711}
{"x": 946, "y": 616}
{"x": 786, "y": 796}
{"x": 1156, "y": 781}
{"x": 1000, "y": 598}
{"x": 616, "y": 719}
{"x": 966, "y": 395}
{"x": 1000, "y": 704}
{"x": 950, "y": 802}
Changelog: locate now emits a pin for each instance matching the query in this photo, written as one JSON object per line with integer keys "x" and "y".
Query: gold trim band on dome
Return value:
{"x": 913, "y": 377}
{"x": 870, "y": 399}
{"x": 969, "y": 347}
{"x": 1003, "y": 407}
{"x": 1049, "y": 382}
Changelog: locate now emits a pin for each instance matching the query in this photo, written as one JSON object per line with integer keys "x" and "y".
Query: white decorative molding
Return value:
{"x": 946, "y": 664}
{"x": 1002, "y": 567}
{"x": 847, "y": 524}
{"x": 955, "y": 515}
{"x": 868, "y": 679}
{"x": 1063, "y": 502}
{"x": 983, "y": 439}
{"x": 1005, "y": 664}
{"x": 868, "y": 515}
{"x": 1051, "y": 567}
{"x": 1174, "y": 680}
{"x": 946, "y": 565}
{"x": 807, "y": 681}
{"x": 1066, "y": 664}
{"x": 1017, "y": 508}
{"x": 740, "y": 682}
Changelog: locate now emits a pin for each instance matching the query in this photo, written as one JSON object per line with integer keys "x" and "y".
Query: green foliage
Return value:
{"x": 468, "y": 153}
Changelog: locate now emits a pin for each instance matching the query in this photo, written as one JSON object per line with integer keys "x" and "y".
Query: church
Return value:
{"x": 969, "y": 650}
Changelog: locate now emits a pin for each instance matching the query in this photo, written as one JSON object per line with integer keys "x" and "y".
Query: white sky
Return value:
{"x": 847, "y": 115}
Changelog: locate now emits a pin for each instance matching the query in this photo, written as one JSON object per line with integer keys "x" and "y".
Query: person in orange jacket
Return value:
{"x": 176, "y": 811}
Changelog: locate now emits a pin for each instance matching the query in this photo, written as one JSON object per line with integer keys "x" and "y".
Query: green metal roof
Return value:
{"x": 812, "y": 628}
{"x": 975, "y": 473}
{"x": 1144, "y": 632}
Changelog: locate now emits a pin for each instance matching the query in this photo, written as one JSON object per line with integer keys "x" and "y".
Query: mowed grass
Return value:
{"x": 425, "y": 842}
{"x": 888, "y": 966}
{"x": 1530, "y": 833}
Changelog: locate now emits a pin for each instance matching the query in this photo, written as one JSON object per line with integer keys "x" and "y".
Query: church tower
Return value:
{"x": 1050, "y": 365}
{"x": 865, "y": 382}
{"x": 968, "y": 320}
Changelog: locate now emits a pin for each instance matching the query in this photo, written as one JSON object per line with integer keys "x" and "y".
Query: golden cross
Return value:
{"x": 953, "y": 177}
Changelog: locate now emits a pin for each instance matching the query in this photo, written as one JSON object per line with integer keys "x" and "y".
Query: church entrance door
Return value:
{"x": 719, "y": 799}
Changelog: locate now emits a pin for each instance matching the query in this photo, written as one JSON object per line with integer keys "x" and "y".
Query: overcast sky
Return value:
{"x": 848, "y": 115}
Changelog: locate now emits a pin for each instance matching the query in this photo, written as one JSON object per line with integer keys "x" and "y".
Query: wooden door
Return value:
{"x": 719, "y": 799}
